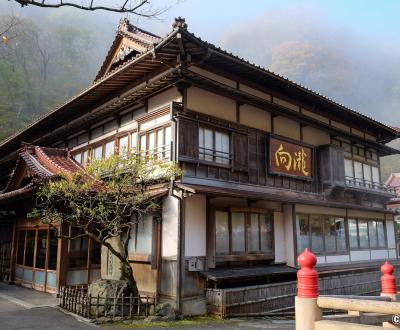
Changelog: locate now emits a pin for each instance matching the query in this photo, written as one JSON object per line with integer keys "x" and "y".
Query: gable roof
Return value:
{"x": 128, "y": 81}
{"x": 37, "y": 164}
{"x": 129, "y": 41}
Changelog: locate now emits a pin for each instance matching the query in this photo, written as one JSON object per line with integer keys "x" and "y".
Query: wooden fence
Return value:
{"x": 78, "y": 301}
{"x": 5, "y": 261}
{"x": 279, "y": 298}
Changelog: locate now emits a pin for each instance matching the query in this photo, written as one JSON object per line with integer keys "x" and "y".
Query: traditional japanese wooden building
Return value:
{"x": 270, "y": 168}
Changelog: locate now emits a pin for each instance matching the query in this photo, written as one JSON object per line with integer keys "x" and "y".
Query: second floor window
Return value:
{"x": 157, "y": 142}
{"x": 214, "y": 146}
{"x": 361, "y": 174}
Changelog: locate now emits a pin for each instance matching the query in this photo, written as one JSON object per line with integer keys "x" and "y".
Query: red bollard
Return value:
{"x": 388, "y": 281}
{"x": 307, "y": 277}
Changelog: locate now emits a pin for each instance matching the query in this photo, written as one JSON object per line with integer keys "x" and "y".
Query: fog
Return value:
{"x": 301, "y": 43}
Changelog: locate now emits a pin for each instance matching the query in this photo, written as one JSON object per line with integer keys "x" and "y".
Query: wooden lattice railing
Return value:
{"x": 78, "y": 301}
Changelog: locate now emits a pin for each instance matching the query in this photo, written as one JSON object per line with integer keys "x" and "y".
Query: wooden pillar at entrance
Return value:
{"x": 13, "y": 256}
{"x": 62, "y": 257}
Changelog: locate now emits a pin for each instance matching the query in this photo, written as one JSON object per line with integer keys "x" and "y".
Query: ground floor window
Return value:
{"x": 366, "y": 234}
{"x": 321, "y": 233}
{"x": 141, "y": 239}
{"x": 243, "y": 232}
{"x": 325, "y": 234}
{"x": 83, "y": 251}
{"x": 37, "y": 248}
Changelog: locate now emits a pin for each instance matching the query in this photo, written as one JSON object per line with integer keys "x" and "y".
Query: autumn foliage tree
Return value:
{"x": 105, "y": 201}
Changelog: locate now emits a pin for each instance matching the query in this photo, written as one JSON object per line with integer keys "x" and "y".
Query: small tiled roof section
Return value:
{"x": 394, "y": 181}
{"x": 141, "y": 37}
{"x": 40, "y": 164}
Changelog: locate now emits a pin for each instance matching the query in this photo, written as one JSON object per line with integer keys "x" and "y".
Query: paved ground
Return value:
{"x": 22, "y": 308}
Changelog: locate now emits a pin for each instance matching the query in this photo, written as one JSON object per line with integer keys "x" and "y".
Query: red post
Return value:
{"x": 388, "y": 281}
{"x": 307, "y": 277}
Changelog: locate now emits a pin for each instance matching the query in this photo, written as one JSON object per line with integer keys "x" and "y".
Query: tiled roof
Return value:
{"x": 40, "y": 164}
{"x": 143, "y": 38}
{"x": 394, "y": 181}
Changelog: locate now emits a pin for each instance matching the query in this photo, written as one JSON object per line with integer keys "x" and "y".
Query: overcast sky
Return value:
{"x": 349, "y": 50}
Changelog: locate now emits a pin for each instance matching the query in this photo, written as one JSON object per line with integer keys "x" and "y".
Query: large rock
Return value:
{"x": 109, "y": 289}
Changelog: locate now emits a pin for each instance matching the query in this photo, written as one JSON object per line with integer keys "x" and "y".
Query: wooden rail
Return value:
{"x": 336, "y": 325}
{"x": 361, "y": 305}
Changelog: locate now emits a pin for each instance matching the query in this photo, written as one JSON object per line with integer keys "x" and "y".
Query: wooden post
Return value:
{"x": 130, "y": 306}
{"x": 388, "y": 282}
{"x": 122, "y": 306}
{"x": 97, "y": 306}
{"x": 306, "y": 308}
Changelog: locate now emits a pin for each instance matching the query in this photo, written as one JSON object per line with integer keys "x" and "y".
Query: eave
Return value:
{"x": 214, "y": 86}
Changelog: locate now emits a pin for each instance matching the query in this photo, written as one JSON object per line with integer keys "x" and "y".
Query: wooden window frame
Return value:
{"x": 321, "y": 217}
{"x": 377, "y": 237}
{"x": 213, "y": 162}
{"x": 246, "y": 255}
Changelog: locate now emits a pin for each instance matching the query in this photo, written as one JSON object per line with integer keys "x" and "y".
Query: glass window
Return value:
{"x": 21, "y": 247}
{"x": 348, "y": 168}
{"x": 266, "y": 232}
{"x": 41, "y": 249}
{"x": 98, "y": 152}
{"x": 30, "y": 247}
{"x": 53, "y": 247}
{"x": 330, "y": 233}
{"x": 84, "y": 157}
{"x": 363, "y": 233}
{"x": 134, "y": 141}
{"x": 109, "y": 149}
{"x": 222, "y": 148}
{"x": 381, "y": 234}
{"x": 253, "y": 238}
{"x": 367, "y": 172}
{"x": 78, "y": 158}
{"x": 123, "y": 145}
{"x": 375, "y": 174}
{"x": 353, "y": 235}
{"x": 152, "y": 141}
{"x": 317, "y": 244}
{"x": 78, "y": 249}
{"x": 358, "y": 171}
{"x": 373, "y": 235}
{"x": 168, "y": 138}
{"x": 142, "y": 237}
{"x": 340, "y": 234}
{"x": 221, "y": 232}
{"x": 302, "y": 233}
{"x": 238, "y": 239}
{"x": 143, "y": 146}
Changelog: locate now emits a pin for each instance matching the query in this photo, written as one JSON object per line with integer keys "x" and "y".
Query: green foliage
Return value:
{"x": 105, "y": 199}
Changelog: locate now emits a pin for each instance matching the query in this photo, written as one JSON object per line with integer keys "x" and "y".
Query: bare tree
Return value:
{"x": 8, "y": 28}
{"x": 142, "y": 8}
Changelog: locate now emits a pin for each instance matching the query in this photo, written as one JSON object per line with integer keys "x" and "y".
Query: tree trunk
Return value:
{"x": 127, "y": 274}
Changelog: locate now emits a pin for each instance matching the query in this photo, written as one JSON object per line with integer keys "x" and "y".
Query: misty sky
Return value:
{"x": 347, "y": 50}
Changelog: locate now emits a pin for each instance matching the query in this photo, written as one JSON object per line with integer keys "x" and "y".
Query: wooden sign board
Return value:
{"x": 290, "y": 159}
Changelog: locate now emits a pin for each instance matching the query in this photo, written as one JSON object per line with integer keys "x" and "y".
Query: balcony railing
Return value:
{"x": 162, "y": 152}
{"x": 366, "y": 184}
{"x": 215, "y": 156}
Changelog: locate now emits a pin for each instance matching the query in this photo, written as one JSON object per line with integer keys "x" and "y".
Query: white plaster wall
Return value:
{"x": 337, "y": 258}
{"x": 390, "y": 234}
{"x": 321, "y": 260}
{"x": 170, "y": 211}
{"x": 392, "y": 253}
{"x": 360, "y": 255}
{"x": 195, "y": 226}
{"x": 164, "y": 98}
{"x": 279, "y": 237}
{"x": 289, "y": 235}
{"x": 379, "y": 254}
